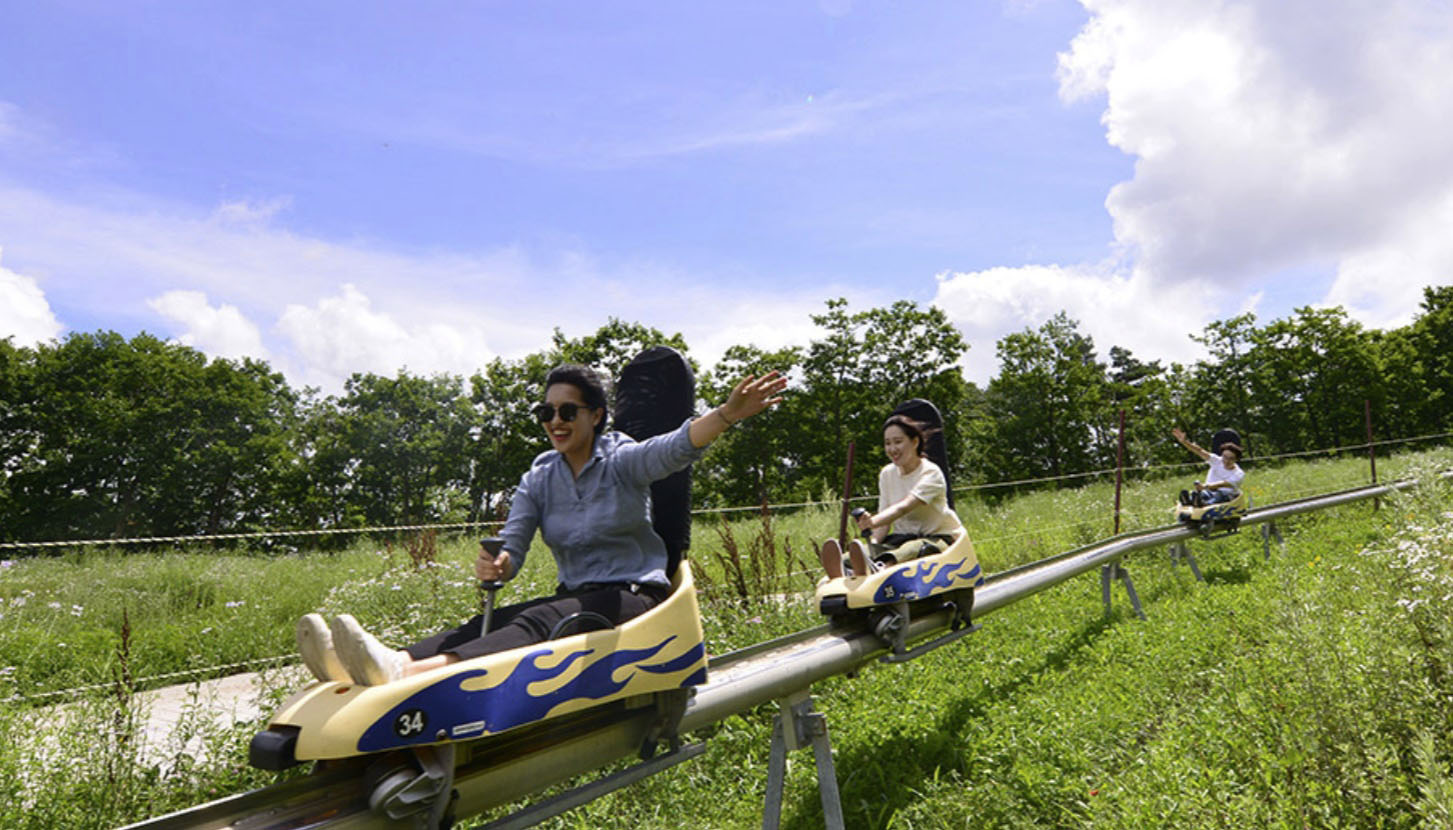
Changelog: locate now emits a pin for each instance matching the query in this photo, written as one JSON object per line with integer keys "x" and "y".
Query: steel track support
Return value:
{"x": 1114, "y": 571}
{"x": 1180, "y": 550}
{"x": 1268, "y": 532}
{"x": 795, "y": 726}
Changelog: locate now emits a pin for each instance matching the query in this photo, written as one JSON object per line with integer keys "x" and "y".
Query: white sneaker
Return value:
{"x": 315, "y": 643}
{"x": 831, "y": 556}
{"x": 858, "y": 556}
{"x": 369, "y": 662}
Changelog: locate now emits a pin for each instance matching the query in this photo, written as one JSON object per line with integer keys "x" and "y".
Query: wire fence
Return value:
{"x": 757, "y": 508}
{"x": 184, "y": 675}
{"x": 187, "y": 675}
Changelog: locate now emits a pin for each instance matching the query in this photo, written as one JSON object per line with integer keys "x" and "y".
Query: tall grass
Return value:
{"x": 1309, "y": 691}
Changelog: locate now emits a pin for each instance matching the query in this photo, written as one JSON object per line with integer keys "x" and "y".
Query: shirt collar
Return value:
{"x": 597, "y": 449}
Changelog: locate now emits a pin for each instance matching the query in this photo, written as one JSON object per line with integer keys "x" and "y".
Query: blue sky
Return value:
{"x": 358, "y": 187}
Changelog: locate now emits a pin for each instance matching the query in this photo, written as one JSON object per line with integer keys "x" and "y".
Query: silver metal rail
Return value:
{"x": 496, "y": 773}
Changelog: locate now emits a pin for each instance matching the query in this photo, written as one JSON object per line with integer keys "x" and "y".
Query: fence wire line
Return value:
{"x": 260, "y": 534}
{"x": 267, "y": 534}
{"x": 78, "y": 690}
{"x": 723, "y": 589}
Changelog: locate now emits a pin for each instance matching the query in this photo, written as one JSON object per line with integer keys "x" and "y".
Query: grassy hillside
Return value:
{"x": 1310, "y": 690}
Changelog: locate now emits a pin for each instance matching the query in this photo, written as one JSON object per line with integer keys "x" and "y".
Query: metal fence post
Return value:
{"x": 1119, "y": 468}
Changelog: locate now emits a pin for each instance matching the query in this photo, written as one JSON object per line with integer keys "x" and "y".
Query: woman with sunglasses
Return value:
{"x": 589, "y": 497}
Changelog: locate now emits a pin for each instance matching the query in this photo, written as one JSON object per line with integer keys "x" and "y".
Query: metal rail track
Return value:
{"x": 504, "y": 769}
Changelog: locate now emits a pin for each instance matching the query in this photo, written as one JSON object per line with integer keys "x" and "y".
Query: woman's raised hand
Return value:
{"x": 753, "y": 394}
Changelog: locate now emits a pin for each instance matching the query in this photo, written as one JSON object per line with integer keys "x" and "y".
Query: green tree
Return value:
{"x": 1431, "y": 339}
{"x": 1149, "y": 394}
{"x": 318, "y": 485}
{"x": 1410, "y": 394}
{"x": 107, "y": 437}
{"x": 1219, "y": 394}
{"x": 612, "y": 346}
{"x": 506, "y": 438}
{"x": 852, "y": 377}
{"x": 1045, "y": 412}
{"x": 407, "y": 439}
{"x": 243, "y": 447}
{"x": 1312, "y": 373}
{"x": 753, "y": 461}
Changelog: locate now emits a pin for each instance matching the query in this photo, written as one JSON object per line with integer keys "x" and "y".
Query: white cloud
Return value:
{"x": 122, "y": 245}
{"x": 595, "y": 136}
{"x": 1382, "y": 285}
{"x": 244, "y": 213}
{"x": 343, "y": 334}
{"x": 1275, "y": 135}
{"x": 25, "y": 314}
{"x": 223, "y": 331}
{"x": 1133, "y": 312}
{"x": 109, "y": 252}
{"x": 320, "y": 311}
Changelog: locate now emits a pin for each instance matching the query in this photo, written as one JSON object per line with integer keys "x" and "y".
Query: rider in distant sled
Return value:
{"x": 1224, "y": 476}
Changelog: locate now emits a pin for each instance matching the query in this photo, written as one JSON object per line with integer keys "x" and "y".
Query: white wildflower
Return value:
{"x": 77, "y": 610}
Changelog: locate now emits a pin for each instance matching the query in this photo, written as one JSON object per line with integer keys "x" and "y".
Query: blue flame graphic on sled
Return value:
{"x": 953, "y": 570}
{"x": 658, "y": 651}
{"x": 920, "y": 580}
{"x": 459, "y": 704}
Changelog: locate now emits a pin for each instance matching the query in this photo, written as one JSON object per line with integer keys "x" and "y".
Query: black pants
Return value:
{"x": 530, "y": 622}
{"x": 884, "y": 550}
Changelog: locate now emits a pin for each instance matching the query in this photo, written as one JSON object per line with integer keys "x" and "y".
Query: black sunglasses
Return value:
{"x": 545, "y": 412}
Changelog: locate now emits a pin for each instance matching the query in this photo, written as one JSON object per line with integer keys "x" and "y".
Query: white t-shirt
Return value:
{"x": 1218, "y": 472}
{"x": 929, "y": 486}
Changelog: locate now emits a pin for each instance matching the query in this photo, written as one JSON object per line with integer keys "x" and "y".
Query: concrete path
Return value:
{"x": 177, "y": 717}
{"x": 178, "y": 720}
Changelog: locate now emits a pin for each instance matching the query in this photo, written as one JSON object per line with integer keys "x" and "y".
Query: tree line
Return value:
{"x": 105, "y": 437}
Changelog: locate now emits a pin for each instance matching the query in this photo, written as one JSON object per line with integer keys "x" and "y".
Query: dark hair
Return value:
{"x": 914, "y": 429}
{"x": 592, "y": 390}
{"x": 1233, "y": 448}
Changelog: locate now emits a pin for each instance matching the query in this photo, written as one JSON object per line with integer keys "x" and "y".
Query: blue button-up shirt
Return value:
{"x": 599, "y": 525}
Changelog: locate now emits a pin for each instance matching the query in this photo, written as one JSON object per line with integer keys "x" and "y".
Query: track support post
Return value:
{"x": 796, "y": 726}
{"x": 1114, "y": 571}
{"x": 1180, "y": 550}
{"x": 1268, "y": 532}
